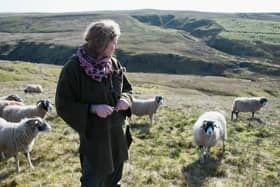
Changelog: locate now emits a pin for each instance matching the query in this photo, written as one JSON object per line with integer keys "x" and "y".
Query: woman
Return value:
{"x": 93, "y": 96}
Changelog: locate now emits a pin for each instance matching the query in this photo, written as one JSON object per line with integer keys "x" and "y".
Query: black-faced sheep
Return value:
{"x": 33, "y": 88}
{"x": 247, "y": 104}
{"x": 15, "y": 113}
{"x": 141, "y": 107}
{"x": 20, "y": 137}
{"x": 209, "y": 128}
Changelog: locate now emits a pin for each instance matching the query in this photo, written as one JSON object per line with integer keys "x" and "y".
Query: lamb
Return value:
{"x": 15, "y": 113}
{"x": 209, "y": 128}
{"x": 12, "y": 98}
{"x": 20, "y": 137}
{"x": 141, "y": 107}
{"x": 33, "y": 88}
{"x": 247, "y": 104}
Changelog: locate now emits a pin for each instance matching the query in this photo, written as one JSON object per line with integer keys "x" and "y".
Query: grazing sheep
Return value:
{"x": 12, "y": 98}
{"x": 15, "y": 113}
{"x": 141, "y": 107}
{"x": 247, "y": 104}
{"x": 33, "y": 88}
{"x": 20, "y": 137}
{"x": 208, "y": 130}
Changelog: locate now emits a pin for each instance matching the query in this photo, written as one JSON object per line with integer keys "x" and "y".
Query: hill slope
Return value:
{"x": 153, "y": 41}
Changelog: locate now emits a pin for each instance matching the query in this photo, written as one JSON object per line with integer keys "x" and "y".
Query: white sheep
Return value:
{"x": 5, "y": 100}
{"x": 33, "y": 88}
{"x": 4, "y": 103}
{"x": 209, "y": 128}
{"x": 15, "y": 113}
{"x": 20, "y": 137}
{"x": 247, "y": 104}
{"x": 141, "y": 107}
{"x": 12, "y": 98}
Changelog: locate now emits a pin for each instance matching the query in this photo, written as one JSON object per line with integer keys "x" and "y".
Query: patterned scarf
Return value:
{"x": 97, "y": 70}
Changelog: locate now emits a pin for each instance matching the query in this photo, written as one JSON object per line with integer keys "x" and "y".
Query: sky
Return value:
{"x": 230, "y": 6}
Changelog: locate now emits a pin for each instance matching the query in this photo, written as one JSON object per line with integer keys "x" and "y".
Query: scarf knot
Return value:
{"x": 97, "y": 70}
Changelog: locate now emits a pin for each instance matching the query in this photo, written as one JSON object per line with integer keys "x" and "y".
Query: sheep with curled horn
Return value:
{"x": 247, "y": 104}
{"x": 20, "y": 137}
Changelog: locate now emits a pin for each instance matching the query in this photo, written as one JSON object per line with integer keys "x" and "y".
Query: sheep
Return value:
{"x": 141, "y": 107}
{"x": 6, "y": 100}
{"x": 209, "y": 128}
{"x": 15, "y": 113}
{"x": 12, "y": 98}
{"x": 4, "y": 103}
{"x": 20, "y": 137}
{"x": 247, "y": 104}
{"x": 33, "y": 88}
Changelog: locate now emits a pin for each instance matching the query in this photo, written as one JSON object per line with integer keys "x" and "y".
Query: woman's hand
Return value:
{"x": 101, "y": 110}
{"x": 122, "y": 105}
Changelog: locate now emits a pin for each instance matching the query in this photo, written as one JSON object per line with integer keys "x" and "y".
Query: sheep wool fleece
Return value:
{"x": 102, "y": 140}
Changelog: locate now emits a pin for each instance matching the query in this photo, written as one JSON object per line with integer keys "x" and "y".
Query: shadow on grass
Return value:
{"x": 195, "y": 173}
{"x": 249, "y": 120}
{"x": 141, "y": 130}
{"x": 258, "y": 120}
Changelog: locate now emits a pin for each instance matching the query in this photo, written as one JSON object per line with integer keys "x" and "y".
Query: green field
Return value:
{"x": 249, "y": 30}
{"x": 163, "y": 154}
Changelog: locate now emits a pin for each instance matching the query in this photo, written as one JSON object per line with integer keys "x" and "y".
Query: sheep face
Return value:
{"x": 45, "y": 104}
{"x": 38, "y": 124}
{"x": 263, "y": 101}
{"x": 159, "y": 100}
{"x": 208, "y": 127}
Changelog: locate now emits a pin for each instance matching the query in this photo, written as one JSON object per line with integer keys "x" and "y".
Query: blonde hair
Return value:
{"x": 99, "y": 34}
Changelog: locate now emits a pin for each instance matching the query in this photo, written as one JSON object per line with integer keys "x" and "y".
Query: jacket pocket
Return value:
{"x": 96, "y": 126}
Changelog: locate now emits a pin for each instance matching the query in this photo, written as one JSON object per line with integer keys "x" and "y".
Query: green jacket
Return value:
{"x": 102, "y": 140}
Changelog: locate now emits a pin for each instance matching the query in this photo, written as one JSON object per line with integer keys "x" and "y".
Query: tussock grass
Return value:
{"x": 163, "y": 154}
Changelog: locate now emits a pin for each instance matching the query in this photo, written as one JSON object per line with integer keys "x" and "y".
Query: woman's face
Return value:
{"x": 110, "y": 49}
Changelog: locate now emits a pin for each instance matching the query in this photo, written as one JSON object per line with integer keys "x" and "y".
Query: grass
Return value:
{"x": 163, "y": 154}
{"x": 250, "y": 30}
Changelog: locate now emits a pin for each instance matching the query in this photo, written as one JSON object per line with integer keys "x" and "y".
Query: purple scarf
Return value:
{"x": 97, "y": 70}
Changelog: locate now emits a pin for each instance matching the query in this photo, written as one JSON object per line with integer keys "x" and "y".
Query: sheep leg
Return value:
{"x": 232, "y": 115}
{"x": 27, "y": 155}
{"x": 3, "y": 155}
{"x": 208, "y": 152}
{"x": 17, "y": 163}
{"x": 253, "y": 115}
{"x": 236, "y": 114}
{"x": 201, "y": 155}
{"x": 224, "y": 145}
{"x": 151, "y": 119}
